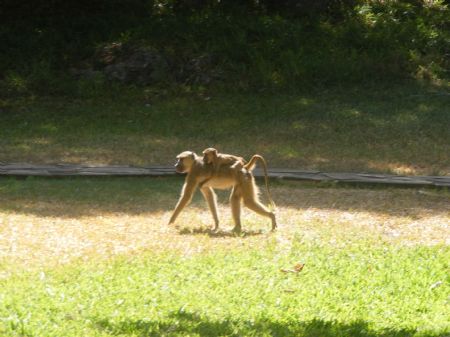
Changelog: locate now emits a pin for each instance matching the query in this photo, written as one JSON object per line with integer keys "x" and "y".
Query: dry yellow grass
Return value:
{"x": 43, "y": 233}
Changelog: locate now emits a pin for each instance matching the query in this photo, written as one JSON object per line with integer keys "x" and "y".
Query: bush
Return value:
{"x": 264, "y": 44}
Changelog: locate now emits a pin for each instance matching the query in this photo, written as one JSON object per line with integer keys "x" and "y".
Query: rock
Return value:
{"x": 199, "y": 70}
{"x": 87, "y": 74}
{"x": 139, "y": 65}
{"x": 142, "y": 66}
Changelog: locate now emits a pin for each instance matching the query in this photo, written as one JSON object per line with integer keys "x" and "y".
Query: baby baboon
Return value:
{"x": 216, "y": 159}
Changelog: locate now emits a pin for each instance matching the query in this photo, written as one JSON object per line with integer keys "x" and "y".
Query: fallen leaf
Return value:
{"x": 297, "y": 268}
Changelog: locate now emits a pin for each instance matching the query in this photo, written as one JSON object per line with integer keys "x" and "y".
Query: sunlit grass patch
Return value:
{"x": 95, "y": 257}
{"x": 57, "y": 221}
{"x": 359, "y": 290}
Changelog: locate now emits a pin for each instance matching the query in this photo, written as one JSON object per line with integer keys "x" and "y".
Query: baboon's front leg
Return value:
{"x": 186, "y": 196}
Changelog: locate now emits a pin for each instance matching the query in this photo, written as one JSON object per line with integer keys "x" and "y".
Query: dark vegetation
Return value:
{"x": 346, "y": 85}
{"x": 80, "y": 48}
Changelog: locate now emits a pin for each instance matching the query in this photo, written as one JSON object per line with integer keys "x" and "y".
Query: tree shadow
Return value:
{"x": 87, "y": 196}
{"x": 73, "y": 198}
{"x": 390, "y": 201}
{"x": 187, "y": 323}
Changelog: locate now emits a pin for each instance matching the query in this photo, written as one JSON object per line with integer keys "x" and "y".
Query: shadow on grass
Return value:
{"x": 397, "y": 128}
{"x": 76, "y": 197}
{"x": 185, "y": 323}
{"x": 220, "y": 233}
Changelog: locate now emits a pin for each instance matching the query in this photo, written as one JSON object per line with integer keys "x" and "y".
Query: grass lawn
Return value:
{"x": 95, "y": 257}
{"x": 399, "y": 129}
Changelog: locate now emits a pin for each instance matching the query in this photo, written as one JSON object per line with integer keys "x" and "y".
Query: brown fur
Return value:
{"x": 202, "y": 174}
{"x": 212, "y": 156}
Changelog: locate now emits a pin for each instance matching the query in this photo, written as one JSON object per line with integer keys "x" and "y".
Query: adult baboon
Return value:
{"x": 204, "y": 175}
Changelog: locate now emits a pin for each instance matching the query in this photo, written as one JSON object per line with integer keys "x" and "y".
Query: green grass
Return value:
{"x": 372, "y": 265}
{"x": 396, "y": 129}
{"x": 359, "y": 290}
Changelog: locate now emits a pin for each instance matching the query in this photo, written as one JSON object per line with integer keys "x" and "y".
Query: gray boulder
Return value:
{"x": 141, "y": 66}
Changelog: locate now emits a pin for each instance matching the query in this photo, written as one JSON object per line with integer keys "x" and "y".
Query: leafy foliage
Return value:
{"x": 269, "y": 44}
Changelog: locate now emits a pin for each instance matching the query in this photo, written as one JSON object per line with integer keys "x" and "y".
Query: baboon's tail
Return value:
{"x": 251, "y": 165}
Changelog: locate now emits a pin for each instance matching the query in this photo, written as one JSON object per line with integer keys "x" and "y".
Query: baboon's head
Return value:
{"x": 184, "y": 161}
{"x": 209, "y": 155}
